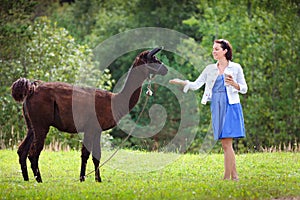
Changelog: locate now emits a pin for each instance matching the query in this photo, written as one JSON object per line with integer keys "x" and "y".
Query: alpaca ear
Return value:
{"x": 154, "y": 51}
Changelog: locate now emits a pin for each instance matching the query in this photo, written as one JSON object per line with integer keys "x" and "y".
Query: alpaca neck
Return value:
{"x": 129, "y": 96}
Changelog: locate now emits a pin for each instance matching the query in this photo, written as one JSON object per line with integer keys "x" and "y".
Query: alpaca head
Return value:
{"x": 150, "y": 63}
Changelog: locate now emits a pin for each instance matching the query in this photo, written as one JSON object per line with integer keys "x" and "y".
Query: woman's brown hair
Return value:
{"x": 225, "y": 45}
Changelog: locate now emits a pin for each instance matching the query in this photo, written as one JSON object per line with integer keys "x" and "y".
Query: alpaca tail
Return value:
{"x": 21, "y": 88}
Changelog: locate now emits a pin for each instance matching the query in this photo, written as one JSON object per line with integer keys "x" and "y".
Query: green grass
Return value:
{"x": 167, "y": 176}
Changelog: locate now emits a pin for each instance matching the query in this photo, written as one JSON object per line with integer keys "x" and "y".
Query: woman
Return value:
{"x": 223, "y": 81}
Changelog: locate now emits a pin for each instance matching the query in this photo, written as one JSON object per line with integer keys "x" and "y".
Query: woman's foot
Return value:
{"x": 233, "y": 179}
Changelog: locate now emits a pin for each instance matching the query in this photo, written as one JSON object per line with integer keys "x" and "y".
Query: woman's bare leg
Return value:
{"x": 234, "y": 174}
{"x": 229, "y": 159}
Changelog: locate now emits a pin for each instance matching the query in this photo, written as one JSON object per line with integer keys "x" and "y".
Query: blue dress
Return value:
{"x": 227, "y": 119}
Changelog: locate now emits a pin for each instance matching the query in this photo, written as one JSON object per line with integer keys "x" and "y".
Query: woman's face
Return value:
{"x": 218, "y": 53}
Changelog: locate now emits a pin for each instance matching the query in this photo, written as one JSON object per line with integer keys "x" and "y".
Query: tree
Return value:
{"x": 265, "y": 37}
{"x": 51, "y": 54}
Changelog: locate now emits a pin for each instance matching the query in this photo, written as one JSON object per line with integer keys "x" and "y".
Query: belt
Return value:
{"x": 218, "y": 91}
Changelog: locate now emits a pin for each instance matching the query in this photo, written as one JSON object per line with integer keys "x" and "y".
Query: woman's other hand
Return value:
{"x": 229, "y": 81}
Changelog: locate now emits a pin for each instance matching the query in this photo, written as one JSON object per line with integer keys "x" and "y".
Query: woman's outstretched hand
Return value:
{"x": 178, "y": 81}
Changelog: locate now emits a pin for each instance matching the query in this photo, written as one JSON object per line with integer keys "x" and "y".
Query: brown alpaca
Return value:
{"x": 75, "y": 109}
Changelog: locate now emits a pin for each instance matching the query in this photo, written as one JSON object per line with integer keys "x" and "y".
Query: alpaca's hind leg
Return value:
{"x": 23, "y": 152}
{"x": 84, "y": 157}
{"x": 96, "y": 152}
{"x": 35, "y": 150}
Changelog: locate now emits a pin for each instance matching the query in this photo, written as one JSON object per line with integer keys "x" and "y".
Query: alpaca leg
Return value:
{"x": 84, "y": 157}
{"x": 85, "y": 152}
{"x": 96, "y": 156}
{"x": 34, "y": 153}
{"x": 97, "y": 170}
{"x": 34, "y": 160}
{"x": 23, "y": 152}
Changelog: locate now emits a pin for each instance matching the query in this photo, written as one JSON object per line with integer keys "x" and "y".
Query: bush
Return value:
{"x": 51, "y": 54}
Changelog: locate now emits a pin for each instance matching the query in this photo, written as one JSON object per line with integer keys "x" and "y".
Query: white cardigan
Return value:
{"x": 209, "y": 76}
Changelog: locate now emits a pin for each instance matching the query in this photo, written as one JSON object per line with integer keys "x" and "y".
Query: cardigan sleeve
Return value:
{"x": 198, "y": 83}
{"x": 241, "y": 81}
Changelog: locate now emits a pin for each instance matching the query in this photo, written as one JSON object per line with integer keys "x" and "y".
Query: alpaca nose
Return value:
{"x": 157, "y": 68}
{"x": 163, "y": 70}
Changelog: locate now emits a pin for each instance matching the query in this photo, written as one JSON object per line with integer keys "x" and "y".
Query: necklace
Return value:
{"x": 222, "y": 66}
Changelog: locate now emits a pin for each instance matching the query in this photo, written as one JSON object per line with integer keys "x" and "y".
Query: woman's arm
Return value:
{"x": 178, "y": 81}
{"x": 188, "y": 85}
{"x": 229, "y": 80}
{"x": 239, "y": 83}
{"x": 192, "y": 85}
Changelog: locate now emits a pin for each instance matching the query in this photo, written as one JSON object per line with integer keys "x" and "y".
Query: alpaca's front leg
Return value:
{"x": 91, "y": 143}
{"x": 84, "y": 157}
{"x": 96, "y": 156}
{"x": 97, "y": 170}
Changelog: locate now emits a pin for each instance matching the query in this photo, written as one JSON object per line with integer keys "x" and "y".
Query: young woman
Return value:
{"x": 223, "y": 83}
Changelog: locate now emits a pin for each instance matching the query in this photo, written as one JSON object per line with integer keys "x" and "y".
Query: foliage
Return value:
{"x": 264, "y": 35}
{"x": 262, "y": 176}
{"x": 51, "y": 54}
{"x": 265, "y": 40}
{"x": 79, "y": 18}
{"x": 14, "y": 20}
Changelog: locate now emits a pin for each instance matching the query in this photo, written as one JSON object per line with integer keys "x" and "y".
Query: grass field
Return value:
{"x": 262, "y": 176}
